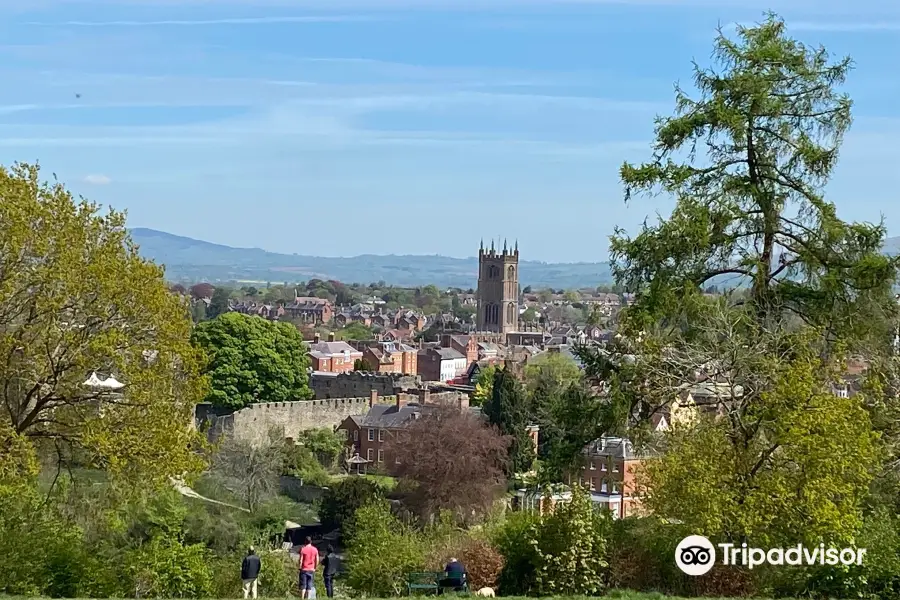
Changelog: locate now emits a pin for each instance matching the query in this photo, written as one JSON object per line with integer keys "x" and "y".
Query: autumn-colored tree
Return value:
{"x": 76, "y": 297}
{"x": 450, "y": 460}
{"x": 200, "y": 291}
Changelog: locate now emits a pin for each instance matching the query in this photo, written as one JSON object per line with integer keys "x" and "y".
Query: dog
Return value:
{"x": 485, "y": 592}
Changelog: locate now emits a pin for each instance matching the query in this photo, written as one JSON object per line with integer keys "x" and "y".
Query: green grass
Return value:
{"x": 383, "y": 480}
{"x": 612, "y": 594}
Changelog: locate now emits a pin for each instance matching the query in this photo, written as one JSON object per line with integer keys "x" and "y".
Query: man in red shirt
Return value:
{"x": 309, "y": 560}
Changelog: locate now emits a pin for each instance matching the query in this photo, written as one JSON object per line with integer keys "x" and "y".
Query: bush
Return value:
{"x": 164, "y": 568}
{"x": 342, "y": 501}
{"x": 381, "y": 551}
{"x": 571, "y": 542}
{"x": 512, "y": 538}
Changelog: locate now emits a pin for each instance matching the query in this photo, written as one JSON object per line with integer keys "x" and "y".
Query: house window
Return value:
{"x": 593, "y": 483}
{"x": 381, "y": 435}
{"x": 356, "y": 435}
{"x": 369, "y": 455}
{"x": 380, "y": 455}
{"x": 371, "y": 435}
{"x": 593, "y": 468}
{"x": 604, "y": 486}
{"x": 615, "y": 467}
{"x": 603, "y": 466}
{"x": 615, "y": 487}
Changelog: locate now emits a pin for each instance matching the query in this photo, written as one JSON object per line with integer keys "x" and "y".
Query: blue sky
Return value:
{"x": 397, "y": 126}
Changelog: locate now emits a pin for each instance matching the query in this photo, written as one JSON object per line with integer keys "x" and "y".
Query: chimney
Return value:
{"x": 373, "y": 398}
{"x": 424, "y": 397}
{"x": 317, "y": 338}
{"x": 400, "y": 400}
{"x": 331, "y": 337}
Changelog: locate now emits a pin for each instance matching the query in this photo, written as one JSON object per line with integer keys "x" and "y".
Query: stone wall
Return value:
{"x": 253, "y": 423}
{"x": 296, "y": 490}
{"x": 358, "y": 384}
{"x": 256, "y": 422}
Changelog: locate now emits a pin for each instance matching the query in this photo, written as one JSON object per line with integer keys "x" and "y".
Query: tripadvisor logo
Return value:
{"x": 696, "y": 555}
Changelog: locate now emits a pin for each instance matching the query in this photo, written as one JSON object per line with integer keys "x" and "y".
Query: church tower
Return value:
{"x": 498, "y": 289}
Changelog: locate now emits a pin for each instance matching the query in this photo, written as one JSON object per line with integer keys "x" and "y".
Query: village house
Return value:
{"x": 441, "y": 364}
{"x": 389, "y": 356}
{"x": 332, "y": 356}
{"x": 609, "y": 466}
{"x": 369, "y": 436}
{"x": 309, "y": 309}
{"x": 466, "y": 345}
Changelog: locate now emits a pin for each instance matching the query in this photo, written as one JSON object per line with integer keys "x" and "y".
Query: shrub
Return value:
{"x": 512, "y": 538}
{"x": 164, "y": 568}
{"x": 342, "y": 501}
{"x": 571, "y": 542}
{"x": 381, "y": 551}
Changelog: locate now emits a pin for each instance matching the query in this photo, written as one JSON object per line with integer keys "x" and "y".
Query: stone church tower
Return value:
{"x": 498, "y": 289}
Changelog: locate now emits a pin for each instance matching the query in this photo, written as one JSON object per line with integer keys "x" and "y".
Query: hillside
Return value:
{"x": 195, "y": 260}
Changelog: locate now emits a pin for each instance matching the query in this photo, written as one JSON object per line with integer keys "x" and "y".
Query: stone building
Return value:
{"x": 498, "y": 289}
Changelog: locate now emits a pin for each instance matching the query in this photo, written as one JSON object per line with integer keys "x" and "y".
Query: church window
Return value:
{"x": 510, "y": 313}
{"x": 511, "y": 272}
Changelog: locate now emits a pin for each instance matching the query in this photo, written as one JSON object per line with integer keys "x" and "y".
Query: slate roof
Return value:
{"x": 332, "y": 348}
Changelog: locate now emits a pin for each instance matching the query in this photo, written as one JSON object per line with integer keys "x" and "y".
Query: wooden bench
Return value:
{"x": 429, "y": 581}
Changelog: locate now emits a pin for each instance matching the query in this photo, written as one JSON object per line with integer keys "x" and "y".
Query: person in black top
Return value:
{"x": 329, "y": 570}
{"x": 249, "y": 572}
{"x": 455, "y": 576}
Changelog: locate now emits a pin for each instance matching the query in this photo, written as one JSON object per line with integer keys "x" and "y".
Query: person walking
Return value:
{"x": 250, "y": 572}
{"x": 309, "y": 560}
{"x": 329, "y": 570}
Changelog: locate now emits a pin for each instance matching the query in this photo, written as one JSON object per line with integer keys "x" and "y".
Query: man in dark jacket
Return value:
{"x": 249, "y": 572}
{"x": 454, "y": 576}
{"x": 329, "y": 570}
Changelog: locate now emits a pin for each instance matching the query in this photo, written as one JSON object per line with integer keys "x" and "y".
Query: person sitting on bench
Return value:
{"x": 454, "y": 576}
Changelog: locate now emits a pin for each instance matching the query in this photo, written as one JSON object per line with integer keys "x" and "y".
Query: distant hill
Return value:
{"x": 195, "y": 260}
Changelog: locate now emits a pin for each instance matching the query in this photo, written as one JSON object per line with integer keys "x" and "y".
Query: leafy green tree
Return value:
{"x": 76, "y": 297}
{"x": 381, "y": 552}
{"x": 360, "y": 365}
{"x": 484, "y": 385}
{"x": 751, "y": 210}
{"x": 341, "y": 501}
{"x": 799, "y": 469}
{"x": 219, "y": 303}
{"x": 530, "y": 315}
{"x": 571, "y": 543}
{"x": 771, "y": 120}
{"x": 253, "y": 360}
{"x": 354, "y": 331}
{"x": 326, "y": 444}
{"x": 559, "y": 370}
{"x": 509, "y": 410}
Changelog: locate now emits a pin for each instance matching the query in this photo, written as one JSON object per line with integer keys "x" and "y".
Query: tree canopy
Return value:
{"x": 746, "y": 161}
{"x": 76, "y": 297}
{"x": 253, "y": 360}
{"x": 771, "y": 120}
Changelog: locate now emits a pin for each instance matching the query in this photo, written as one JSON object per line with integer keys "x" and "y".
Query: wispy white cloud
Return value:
{"x": 97, "y": 179}
{"x": 216, "y": 21}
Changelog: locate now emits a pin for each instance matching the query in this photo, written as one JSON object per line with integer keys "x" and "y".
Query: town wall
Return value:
{"x": 254, "y": 423}
{"x": 359, "y": 384}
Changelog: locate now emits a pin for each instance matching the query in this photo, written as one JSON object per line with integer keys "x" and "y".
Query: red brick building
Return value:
{"x": 332, "y": 356}
{"x": 389, "y": 357}
{"x": 370, "y": 435}
{"x": 608, "y": 471}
